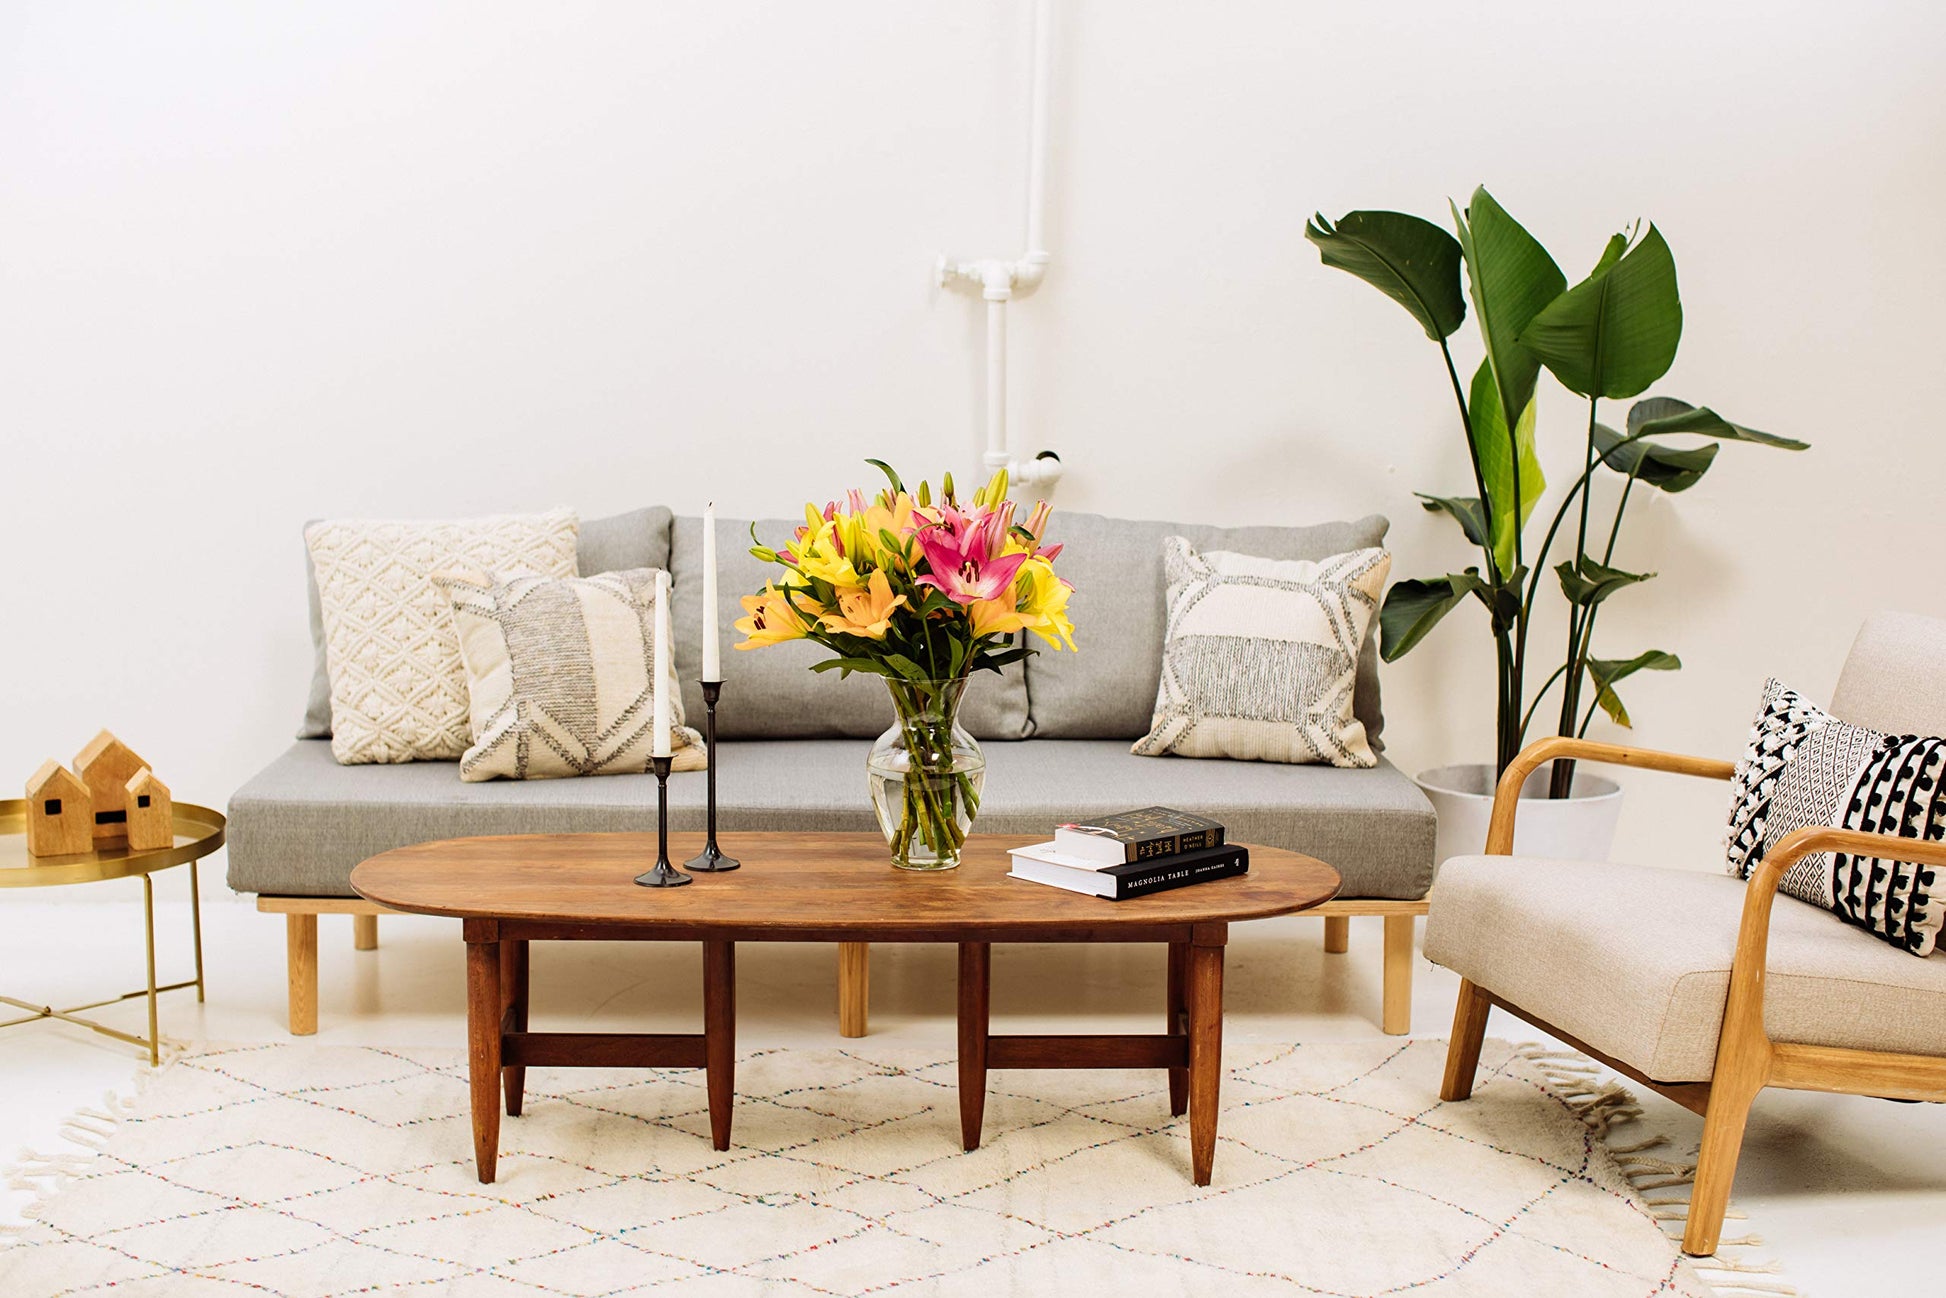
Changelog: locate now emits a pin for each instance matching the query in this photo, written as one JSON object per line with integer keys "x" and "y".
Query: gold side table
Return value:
{"x": 199, "y": 831}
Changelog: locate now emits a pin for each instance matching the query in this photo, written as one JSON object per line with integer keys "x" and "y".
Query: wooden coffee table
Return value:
{"x": 510, "y": 891}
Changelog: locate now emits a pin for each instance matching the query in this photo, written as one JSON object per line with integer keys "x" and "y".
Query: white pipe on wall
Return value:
{"x": 1001, "y": 281}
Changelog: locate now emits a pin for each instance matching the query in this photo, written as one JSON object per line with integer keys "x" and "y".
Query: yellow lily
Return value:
{"x": 995, "y": 616}
{"x": 1043, "y": 600}
{"x": 819, "y": 554}
{"x": 772, "y": 619}
{"x": 864, "y": 611}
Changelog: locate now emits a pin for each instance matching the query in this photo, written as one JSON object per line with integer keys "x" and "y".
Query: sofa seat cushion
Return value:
{"x": 1635, "y": 961}
{"x": 298, "y": 827}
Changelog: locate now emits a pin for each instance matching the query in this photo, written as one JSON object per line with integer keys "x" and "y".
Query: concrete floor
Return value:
{"x": 1849, "y": 1194}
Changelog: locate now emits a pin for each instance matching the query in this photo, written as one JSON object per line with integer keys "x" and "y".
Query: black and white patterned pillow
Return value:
{"x": 1805, "y": 767}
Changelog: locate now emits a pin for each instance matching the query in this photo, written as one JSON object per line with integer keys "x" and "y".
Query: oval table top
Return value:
{"x": 804, "y": 886}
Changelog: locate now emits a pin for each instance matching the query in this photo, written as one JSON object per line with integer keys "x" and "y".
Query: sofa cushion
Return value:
{"x": 299, "y": 826}
{"x": 772, "y": 693}
{"x": 1108, "y": 689}
{"x": 1635, "y": 961}
{"x": 637, "y": 539}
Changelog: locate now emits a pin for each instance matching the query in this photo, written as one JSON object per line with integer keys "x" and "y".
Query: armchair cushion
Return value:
{"x": 1635, "y": 961}
{"x": 1804, "y": 767}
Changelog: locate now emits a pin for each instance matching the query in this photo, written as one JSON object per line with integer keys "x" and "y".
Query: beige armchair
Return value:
{"x": 1690, "y": 981}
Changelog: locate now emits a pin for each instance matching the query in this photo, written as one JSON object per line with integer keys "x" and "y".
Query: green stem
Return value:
{"x": 1473, "y": 456}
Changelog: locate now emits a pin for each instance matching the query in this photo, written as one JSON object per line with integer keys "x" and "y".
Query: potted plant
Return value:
{"x": 1607, "y": 338}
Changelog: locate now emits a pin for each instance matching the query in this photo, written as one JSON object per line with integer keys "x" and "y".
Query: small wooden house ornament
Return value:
{"x": 106, "y": 765}
{"x": 60, "y": 812}
{"x": 151, "y": 818}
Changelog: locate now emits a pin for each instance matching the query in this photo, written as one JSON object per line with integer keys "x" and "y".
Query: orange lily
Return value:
{"x": 864, "y": 611}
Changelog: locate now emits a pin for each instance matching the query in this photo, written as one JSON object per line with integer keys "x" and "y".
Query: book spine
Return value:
{"x": 1130, "y": 883}
{"x": 1196, "y": 840}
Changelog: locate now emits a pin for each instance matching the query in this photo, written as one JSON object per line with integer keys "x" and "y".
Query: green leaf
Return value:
{"x": 891, "y": 474}
{"x": 846, "y": 666}
{"x": 1465, "y": 510}
{"x": 1497, "y": 451}
{"x": 1606, "y": 671}
{"x": 1616, "y": 332}
{"x": 1593, "y": 582}
{"x": 1511, "y": 277}
{"x": 1661, "y": 416}
{"x": 1407, "y": 258}
{"x": 1414, "y": 607}
{"x": 1666, "y": 468}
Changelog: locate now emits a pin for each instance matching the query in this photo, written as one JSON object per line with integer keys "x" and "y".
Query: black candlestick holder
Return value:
{"x": 664, "y": 875}
{"x": 712, "y": 860}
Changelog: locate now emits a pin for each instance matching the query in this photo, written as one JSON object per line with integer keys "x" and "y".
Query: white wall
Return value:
{"x": 265, "y": 262}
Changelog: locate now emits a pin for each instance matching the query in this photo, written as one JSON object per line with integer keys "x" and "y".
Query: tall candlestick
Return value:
{"x": 712, "y": 655}
{"x": 664, "y": 678}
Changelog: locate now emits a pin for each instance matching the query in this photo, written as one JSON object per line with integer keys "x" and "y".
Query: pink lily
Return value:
{"x": 960, "y": 550}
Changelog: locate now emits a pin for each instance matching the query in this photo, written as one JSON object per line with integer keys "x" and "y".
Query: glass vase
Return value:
{"x": 925, "y": 775}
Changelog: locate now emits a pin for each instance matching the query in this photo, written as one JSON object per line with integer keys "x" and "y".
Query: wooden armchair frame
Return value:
{"x": 1747, "y": 1060}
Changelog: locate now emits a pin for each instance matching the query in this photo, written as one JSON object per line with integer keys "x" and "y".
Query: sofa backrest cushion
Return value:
{"x": 1894, "y": 679}
{"x": 637, "y": 539}
{"x": 1108, "y": 689}
{"x": 772, "y": 693}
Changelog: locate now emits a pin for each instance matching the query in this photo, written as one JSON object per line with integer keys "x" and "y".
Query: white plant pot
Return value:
{"x": 1580, "y": 827}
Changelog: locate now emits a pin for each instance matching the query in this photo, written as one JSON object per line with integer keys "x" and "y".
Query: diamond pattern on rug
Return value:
{"x": 314, "y": 1171}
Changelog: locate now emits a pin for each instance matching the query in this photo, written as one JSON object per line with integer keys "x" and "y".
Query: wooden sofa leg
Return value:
{"x": 854, "y": 987}
{"x": 301, "y": 941}
{"x": 1337, "y": 934}
{"x": 1397, "y": 1017}
{"x": 1463, "y": 1051}
{"x": 364, "y": 932}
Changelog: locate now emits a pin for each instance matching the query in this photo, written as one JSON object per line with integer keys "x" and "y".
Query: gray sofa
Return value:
{"x": 1057, "y": 729}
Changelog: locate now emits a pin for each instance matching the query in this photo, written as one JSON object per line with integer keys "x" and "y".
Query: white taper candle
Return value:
{"x": 712, "y": 651}
{"x": 664, "y": 680}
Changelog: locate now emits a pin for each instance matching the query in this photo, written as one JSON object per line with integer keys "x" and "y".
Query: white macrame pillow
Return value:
{"x": 1260, "y": 656}
{"x": 398, "y": 687}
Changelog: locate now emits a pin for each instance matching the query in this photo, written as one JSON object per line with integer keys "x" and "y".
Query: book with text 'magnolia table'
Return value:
{"x": 1045, "y": 863}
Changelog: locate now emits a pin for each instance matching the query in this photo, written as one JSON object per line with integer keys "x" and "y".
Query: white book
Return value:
{"x": 1049, "y": 853}
{"x": 1060, "y": 876}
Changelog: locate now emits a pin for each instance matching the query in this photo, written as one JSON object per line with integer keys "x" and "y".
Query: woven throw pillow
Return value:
{"x": 398, "y": 688}
{"x": 560, "y": 672}
{"x": 1806, "y": 767}
{"x": 1260, "y": 656}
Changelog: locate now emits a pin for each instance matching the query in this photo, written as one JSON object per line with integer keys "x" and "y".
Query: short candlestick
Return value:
{"x": 712, "y": 860}
{"x": 664, "y": 875}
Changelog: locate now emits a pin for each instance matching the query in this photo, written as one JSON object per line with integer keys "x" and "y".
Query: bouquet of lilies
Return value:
{"x": 922, "y": 592}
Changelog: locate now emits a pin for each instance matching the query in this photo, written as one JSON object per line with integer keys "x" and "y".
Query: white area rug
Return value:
{"x": 311, "y": 1171}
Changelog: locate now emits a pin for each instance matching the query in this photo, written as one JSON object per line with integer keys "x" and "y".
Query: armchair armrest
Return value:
{"x": 1506, "y": 796}
{"x": 1753, "y": 932}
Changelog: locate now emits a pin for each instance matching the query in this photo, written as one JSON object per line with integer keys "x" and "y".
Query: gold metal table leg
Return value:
{"x": 148, "y": 925}
{"x": 196, "y": 927}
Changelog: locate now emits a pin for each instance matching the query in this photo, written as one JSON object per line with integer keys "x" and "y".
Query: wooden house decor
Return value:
{"x": 151, "y": 816}
{"x": 60, "y": 812}
{"x": 106, "y": 766}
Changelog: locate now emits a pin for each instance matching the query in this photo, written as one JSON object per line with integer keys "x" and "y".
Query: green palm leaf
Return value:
{"x": 1407, "y": 258}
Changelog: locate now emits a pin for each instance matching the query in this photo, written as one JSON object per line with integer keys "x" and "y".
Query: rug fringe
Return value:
{"x": 1603, "y": 1105}
{"x": 44, "y": 1175}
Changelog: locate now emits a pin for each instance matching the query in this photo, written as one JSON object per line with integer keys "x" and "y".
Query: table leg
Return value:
{"x": 720, "y": 1036}
{"x": 148, "y": 922}
{"x": 1178, "y": 1010}
{"x": 975, "y": 985}
{"x": 513, "y": 995}
{"x": 196, "y": 927}
{"x": 1205, "y": 977}
{"x": 483, "y": 1013}
{"x": 854, "y": 987}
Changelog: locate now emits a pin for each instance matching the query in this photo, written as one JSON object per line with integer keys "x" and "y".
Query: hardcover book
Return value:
{"x": 1041, "y": 863}
{"x": 1142, "y": 835}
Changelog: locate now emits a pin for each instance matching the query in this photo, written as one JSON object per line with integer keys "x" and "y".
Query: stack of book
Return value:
{"x": 1132, "y": 854}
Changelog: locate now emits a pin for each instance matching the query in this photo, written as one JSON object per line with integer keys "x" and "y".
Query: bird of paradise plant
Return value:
{"x": 922, "y": 592}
